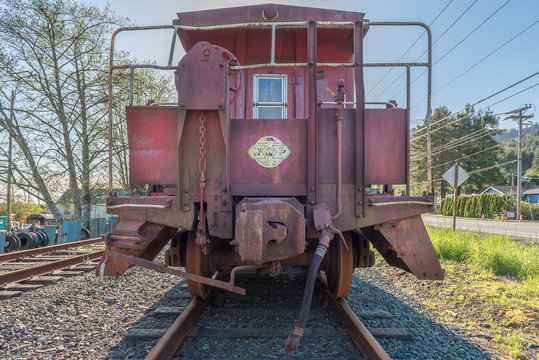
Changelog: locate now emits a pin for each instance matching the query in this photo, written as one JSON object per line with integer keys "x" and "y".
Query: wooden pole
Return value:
{"x": 455, "y": 194}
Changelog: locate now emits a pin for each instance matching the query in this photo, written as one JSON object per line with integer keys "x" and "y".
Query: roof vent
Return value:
{"x": 270, "y": 12}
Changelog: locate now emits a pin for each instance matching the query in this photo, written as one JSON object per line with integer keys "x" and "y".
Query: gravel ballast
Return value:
{"x": 83, "y": 318}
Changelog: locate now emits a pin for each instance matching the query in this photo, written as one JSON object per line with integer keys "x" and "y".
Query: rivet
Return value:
{"x": 312, "y": 202}
{"x": 186, "y": 190}
{"x": 223, "y": 202}
{"x": 224, "y": 189}
{"x": 312, "y": 188}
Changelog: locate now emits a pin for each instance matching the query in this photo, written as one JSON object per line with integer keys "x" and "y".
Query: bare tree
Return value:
{"x": 57, "y": 61}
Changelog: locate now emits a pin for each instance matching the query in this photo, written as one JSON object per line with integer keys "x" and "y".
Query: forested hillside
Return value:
{"x": 475, "y": 140}
{"x": 530, "y": 155}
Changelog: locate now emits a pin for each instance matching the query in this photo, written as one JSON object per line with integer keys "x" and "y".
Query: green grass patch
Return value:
{"x": 494, "y": 253}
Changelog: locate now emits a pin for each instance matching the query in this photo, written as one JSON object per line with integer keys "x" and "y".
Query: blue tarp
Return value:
{"x": 2, "y": 243}
{"x": 69, "y": 231}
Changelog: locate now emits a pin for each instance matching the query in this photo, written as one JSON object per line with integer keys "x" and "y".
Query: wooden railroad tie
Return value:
{"x": 392, "y": 333}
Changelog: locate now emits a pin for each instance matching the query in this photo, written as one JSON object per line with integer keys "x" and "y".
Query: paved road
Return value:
{"x": 524, "y": 230}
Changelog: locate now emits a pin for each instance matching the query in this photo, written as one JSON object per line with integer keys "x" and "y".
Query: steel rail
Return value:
{"x": 42, "y": 269}
{"x": 360, "y": 335}
{"x": 169, "y": 343}
{"x": 365, "y": 342}
{"x": 47, "y": 249}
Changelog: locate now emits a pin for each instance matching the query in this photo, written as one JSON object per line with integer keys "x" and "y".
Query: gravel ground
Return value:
{"x": 82, "y": 318}
{"x": 78, "y": 318}
{"x": 432, "y": 340}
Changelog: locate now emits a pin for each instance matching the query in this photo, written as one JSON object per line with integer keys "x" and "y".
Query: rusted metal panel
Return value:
{"x": 154, "y": 209}
{"x": 386, "y": 140}
{"x": 327, "y": 138}
{"x": 406, "y": 244}
{"x": 268, "y": 230}
{"x": 249, "y": 177}
{"x": 202, "y": 84}
{"x": 253, "y": 13}
{"x": 153, "y": 154}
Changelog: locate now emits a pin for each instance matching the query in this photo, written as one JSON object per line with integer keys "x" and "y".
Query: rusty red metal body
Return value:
{"x": 264, "y": 176}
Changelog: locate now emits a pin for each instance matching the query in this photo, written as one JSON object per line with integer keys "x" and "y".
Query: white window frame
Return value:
{"x": 283, "y": 105}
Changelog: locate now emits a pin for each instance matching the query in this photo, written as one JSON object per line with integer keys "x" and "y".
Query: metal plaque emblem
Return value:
{"x": 268, "y": 151}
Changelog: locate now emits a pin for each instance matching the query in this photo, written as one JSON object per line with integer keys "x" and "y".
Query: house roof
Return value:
{"x": 500, "y": 189}
{"x": 526, "y": 190}
{"x": 529, "y": 190}
{"x": 97, "y": 196}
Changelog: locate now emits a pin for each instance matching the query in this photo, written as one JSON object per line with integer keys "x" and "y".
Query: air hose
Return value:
{"x": 294, "y": 338}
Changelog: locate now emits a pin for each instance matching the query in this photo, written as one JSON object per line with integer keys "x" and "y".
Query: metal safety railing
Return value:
{"x": 272, "y": 63}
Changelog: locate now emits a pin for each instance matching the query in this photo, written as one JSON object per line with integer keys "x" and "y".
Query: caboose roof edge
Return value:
{"x": 253, "y": 13}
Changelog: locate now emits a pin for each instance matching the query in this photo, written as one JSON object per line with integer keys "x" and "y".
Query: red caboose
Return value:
{"x": 269, "y": 155}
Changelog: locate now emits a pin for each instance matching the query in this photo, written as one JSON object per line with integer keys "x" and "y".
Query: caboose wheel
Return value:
{"x": 197, "y": 263}
{"x": 340, "y": 266}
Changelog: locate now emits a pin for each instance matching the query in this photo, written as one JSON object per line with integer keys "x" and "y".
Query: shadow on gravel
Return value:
{"x": 130, "y": 349}
{"x": 431, "y": 340}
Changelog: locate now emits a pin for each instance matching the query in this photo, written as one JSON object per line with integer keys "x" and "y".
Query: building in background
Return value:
{"x": 529, "y": 193}
{"x": 98, "y": 203}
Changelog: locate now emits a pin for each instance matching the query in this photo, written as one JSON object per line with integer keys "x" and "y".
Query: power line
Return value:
{"x": 477, "y": 111}
{"x": 458, "y": 144}
{"x": 491, "y": 167}
{"x": 479, "y": 101}
{"x": 467, "y": 156}
{"x": 480, "y": 61}
{"x": 459, "y": 140}
{"x": 410, "y": 48}
{"x": 475, "y": 171}
{"x": 450, "y": 26}
{"x": 435, "y": 41}
{"x": 454, "y": 47}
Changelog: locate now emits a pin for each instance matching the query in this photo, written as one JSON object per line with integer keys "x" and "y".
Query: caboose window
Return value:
{"x": 269, "y": 96}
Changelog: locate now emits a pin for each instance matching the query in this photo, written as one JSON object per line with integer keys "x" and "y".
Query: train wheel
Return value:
{"x": 197, "y": 263}
{"x": 340, "y": 266}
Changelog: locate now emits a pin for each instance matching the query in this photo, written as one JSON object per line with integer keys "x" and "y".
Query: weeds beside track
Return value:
{"x": 496, "y": 254}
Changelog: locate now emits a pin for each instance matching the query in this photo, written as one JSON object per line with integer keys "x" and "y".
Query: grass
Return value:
{"x": 490, "y": 291}
{"x": 495, "y": 254}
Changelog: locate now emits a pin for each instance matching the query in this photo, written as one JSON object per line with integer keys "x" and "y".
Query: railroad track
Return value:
{"x": 27, "y": 270}
{"x": 234, "y": 319}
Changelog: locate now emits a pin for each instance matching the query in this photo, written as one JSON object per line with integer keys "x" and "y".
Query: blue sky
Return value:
{"x": 514, "y": 61}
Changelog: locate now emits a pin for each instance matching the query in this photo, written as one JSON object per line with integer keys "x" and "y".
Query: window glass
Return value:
{"x": 270, "y": 112}
{"x": 270, "y": 90}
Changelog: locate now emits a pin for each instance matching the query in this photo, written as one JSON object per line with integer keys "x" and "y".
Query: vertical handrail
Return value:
{"x": 312, "y": 173}
{"x": 429, "y": 86}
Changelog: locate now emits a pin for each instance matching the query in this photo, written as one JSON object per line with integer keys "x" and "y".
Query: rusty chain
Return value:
{"x": 202, "y": 238}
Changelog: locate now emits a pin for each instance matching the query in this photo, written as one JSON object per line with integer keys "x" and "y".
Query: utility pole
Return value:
{"x": 519, "y": 117}
{"x": 10, "y": 149}
{"x": 456, "y": 186}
